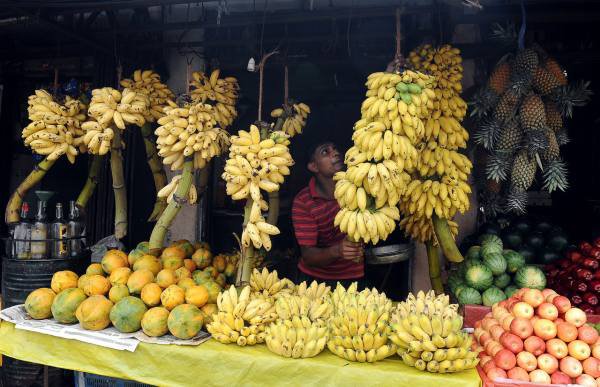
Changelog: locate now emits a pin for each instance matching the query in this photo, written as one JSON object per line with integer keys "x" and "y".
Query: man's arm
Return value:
{"x": 319, "y": 257}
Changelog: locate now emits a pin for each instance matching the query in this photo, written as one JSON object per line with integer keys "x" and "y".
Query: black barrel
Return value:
{"x": 22, "y": 373}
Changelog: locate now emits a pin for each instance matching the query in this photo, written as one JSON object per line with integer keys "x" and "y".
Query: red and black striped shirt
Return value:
{"x": 313, "y": 217}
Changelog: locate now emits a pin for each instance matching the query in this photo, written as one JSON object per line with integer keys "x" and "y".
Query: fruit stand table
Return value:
{"x": 216, "y": 364}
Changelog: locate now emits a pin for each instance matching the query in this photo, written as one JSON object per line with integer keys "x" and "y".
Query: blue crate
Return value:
{"x": 83, "y": 379}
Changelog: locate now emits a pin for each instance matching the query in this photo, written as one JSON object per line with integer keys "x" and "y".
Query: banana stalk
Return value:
{"x": 116, "y": 168}
{"x": 247, "y": 256}
{"x": 433, "y": 257}
{"x": 166, "y": 218}
{"x": 13, "y": 208}
{"x": 156, "y": 167}
{"x": 446, "y": 240}
{"x": 91, "y": 182}
{"x": 273, "y": 208}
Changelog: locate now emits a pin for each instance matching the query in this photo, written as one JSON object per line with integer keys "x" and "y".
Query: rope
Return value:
{"x": 286, "y": 88}
{"x": 523, "y": 26}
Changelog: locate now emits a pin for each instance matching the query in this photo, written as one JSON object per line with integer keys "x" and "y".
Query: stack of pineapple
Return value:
{"x": 521, "y": 112}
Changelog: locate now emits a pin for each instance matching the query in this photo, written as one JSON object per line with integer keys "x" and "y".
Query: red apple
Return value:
{"x": 591, "y": 366}
{"x": 535, "y": 345}
{"x": 548, "y": 311}
{"x": 548, "y": 292}
{"x": 499, "y": 312}
{"x": 521, "y": 327}
{"x": 551, "y": 297}
{"x": 534, "y": 319}
{"x": 518, "y": 373}
{"x": 511, "y": 342}
{"x": 567, "y": 332}
{"x": 533, "y": 297}
{"x": 490, "y": 365}
{"x": 547, "y": 363}
{"x": 559, "y": 321}
{"x": 586, "y": 380}
{"x": 484, "y": 359}
{"x": 544, "y": 329}
{"x": 596, "y": 351}
{"x": 560, "y": 378}
{"x": 562, "y": 303}
{"x": 496, "y": 332}
{"x": 506, "y": 322}
{"x": 527, "y": 361}
{"x": 557, "y": 348}
{"x": 519, "y": 293}
{"x": 505, "y": 359}
{"x": 587, "y": 334}
{"x": 496, "y": 373}
{"x": 579, "y": 350}
{"x": 571, "y": 366}
{"x": 485, "y": 338}
{"x": 539, "y": 376}
{"x": 523, "y": 310}
{"x": 488, "y": 323}
{"x": 493, "y": 347}
{"x": 575, "y": 316}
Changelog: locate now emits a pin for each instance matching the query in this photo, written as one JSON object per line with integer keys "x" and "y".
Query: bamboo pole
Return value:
{"x": 156, "y": 167}
{"x": 118, "y": 183}
{"x": 433, "y": 257}
{"x": 446, "y": 240}
{"x": 91, "y": 182}
{"x": 166, "y": 218}
{"x": 247, "y": 258}
{"x": 13, "y": 208}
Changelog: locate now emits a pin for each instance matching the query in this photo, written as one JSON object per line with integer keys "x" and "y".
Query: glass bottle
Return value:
{"x": 58, "y": 234}
{"x": 76, "y": 230}
{"x": 21, "y": 247}
{"x": 39, "y": 233}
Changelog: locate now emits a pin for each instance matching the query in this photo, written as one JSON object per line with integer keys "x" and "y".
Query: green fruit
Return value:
{"x": 414, "y": 88}
{"x": 454, "y": 280}
{"x": 474, "y": 252}
{"x": 514, "y": 261}
{"x": 530, "y": 277}
{"x": 65, "y": 304}
{"x": 479, "y": 277}
{"x": 502, "y": 280}
{"x": 402, "y": 87}
{"x": 527, "y": 253}
{"x": 496, "y": 263}
{"x": 406, "y": 98}
{"x": 490, "y": 238}
{"x": 469, "y": 296}
{"x": 492, "y": 295}
{"x": 510, "y": 290}
{"x": 127, "y": 314}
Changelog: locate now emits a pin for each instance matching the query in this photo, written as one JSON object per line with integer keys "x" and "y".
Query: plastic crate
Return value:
{"x": 83, "y": 379}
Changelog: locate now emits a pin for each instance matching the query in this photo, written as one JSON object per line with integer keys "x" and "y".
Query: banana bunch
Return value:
{"x": 368, "y": 225}
{"x": 222, "y": 93}
{"x": 148, "y": 82}
{"x": 294, "y": 116}
{"x": 189, "y": 130}
{"x": 314, "y": 291}
{"x": 317, "y": 309}
{"x": 359, "y": 327}
{"x": 296, "y": 337}
{"x": 268, "y": 283}
{"x": 97, "y": 139}
{"x": 109, "y": 106}
{"x": 168, "y": 191}
{"x": 55, "y": 129}
{"x": 241, "y": 319}
{"x": 428, "y": 332}
{"x": 257, "y": 231}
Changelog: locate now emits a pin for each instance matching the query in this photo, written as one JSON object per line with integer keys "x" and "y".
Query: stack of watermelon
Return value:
{"x": 490, "y": 274}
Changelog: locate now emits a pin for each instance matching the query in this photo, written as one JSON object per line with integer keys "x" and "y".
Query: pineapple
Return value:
{"x": 526, "y": 61}
{"x": 553, "y": 117}
{"x": 523, "y": 172}
{"x": 510, "y": 137}
{"x": 552, "y": 151}
{"x": 532, "y": 114}
{"x": 506, "y": 107}
{"x": 499, "y": 78}
{"x": 544, "y": 82}
{"x": 493, "y": 186}
{"x": 554, "y": 68}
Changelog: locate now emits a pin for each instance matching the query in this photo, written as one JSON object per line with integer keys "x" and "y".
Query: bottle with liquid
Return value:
{"x": 21, "y": 246}
{"x": 39, "y": 233}
{"x": 58, "y": 233}
{"x": 76, "y": 230}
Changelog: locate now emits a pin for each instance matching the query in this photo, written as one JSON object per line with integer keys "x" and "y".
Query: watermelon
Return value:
{"x": 454, "y": 280}
{"x": 493, "y": 238}
{"x": 510, "y": 290}
{"x": 490, "y": 248}
{"x": 492, "y": 295}
{"x": 502, "y": 280}
{"x": 535, "y": 240}
{"x": 459, "y": 289}
{"x": 527, "y": 253}
{"x": 558, "y": 241}
{"x": 473, "y": 252}
{"x": 548, "y": 255}
{"x": 479, "y": 277}
{"x": 512, "y": 239}
{"x": 543, "y": 227}
{"x": 522, "y": 226}
{"x": 469, "y": 296}
{"x": 495, "y": 262}
{"x": 466, "y": 264}
{"x": 530, "y": 277}
{"x": 514, "y": 261}
{"x": 490, "y": 228}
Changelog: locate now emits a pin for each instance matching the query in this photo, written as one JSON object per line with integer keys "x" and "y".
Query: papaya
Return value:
{"x": 202, "y": 258}
{"x": 149, "y": 262}
{"x": 154, "y": 322}
{"x": 185, "y": 321}
{"x": 220, "y": 263}
{"x": 181, "y": 273}
{"x": 201, "y": 277}
{"x": 138, "y": 279}
{"x": 39, "y": 302}
{"x": 221, "y": 280}
{"x": 94, "y": 268}
{"x": 209, "y": 310}
{"x": 213, "y": 291}
{"x": 172, "y": 262}
{"x": 83, "y": 280}
{"x": 96, "y": 285}
{"x": 173, "y": 251}
{"x": 126, "y": 315}
{"x": 120, "y": 276}
{"x": 201, "y": 245}
{"x": 114, "y": 259}
{"x": 93, "y": 312}
{"x": 196, "y": 295}
{"x": 134, "y": 255}
{"x": 230, "y": 270}
{"x": 172, "y": 296}
{"x": 117, "y": 292}
{"x": 190, "y": 265}
{"x": 144, "y": 247}
{"x": 62, "y": 280}
{"x": 185, "y": 283}
{"x": 186, "y": 246}
{"x": 151, "y": 294}
{"x": 65, "y": 304}
{"x": 166, "y": 278}
{"x": 211, "y": 271}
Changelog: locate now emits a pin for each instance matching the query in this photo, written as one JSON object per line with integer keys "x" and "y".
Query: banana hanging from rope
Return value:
{"x": 222, "y": 93}
{"x": 294, "y": 117}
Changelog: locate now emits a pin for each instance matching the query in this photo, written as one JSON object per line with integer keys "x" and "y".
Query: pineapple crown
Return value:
{"x": 498, "y": 165}
{"x": 483, "y": 100}
{"x": 488, "y": 133}
{"x": 536, "y": 141}
{"x": 504, "y": 35}
{"x": 572, "y": 95}
{"x": 555, "y": 176}
{"x": 516, "y": 202}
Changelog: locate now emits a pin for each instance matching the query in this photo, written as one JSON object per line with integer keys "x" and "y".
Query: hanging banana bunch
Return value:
{"x": 55, "y": 130}
{"x": 222, "y": 93}
{"x": 293, "y": 117}
{"x": 256, "y": 164}
{"x": 169, "y": 190}
{"x": 149, "y": 83}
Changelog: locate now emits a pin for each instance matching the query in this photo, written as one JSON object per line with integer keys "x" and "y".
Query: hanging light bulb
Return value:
{"x": 251, "y": 65}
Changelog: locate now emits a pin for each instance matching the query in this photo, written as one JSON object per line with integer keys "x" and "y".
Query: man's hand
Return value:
{"x": 352, "y": 251}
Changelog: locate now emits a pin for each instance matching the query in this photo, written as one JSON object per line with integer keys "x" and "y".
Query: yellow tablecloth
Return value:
{"x": 215, "y": 364}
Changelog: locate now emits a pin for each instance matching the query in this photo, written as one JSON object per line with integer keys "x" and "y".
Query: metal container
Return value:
{"x": 385, "y": 255}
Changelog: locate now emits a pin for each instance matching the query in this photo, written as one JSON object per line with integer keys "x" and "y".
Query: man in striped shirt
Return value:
{"x": 327, "y": 255}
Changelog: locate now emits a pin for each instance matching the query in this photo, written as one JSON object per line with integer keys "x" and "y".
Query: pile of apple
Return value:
{"x": 536, "y": 336}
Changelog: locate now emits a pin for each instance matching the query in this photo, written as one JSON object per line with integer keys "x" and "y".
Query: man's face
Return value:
{"x": 326, "y": 160}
